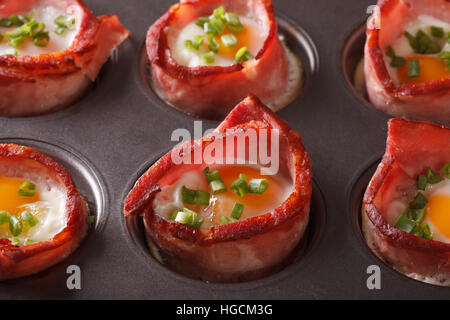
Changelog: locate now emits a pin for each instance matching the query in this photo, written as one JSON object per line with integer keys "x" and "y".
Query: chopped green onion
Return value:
{"x": 413, "y": 68}
{"x": 30, "y": 16}
{"x": 258, "y": 185}
{"x": 405, "y": 224}
{"x": 422, "y": 43}
{"x": 208, "y": 57}
{"x": 30, "y": 241}
{"x": 419, "y": 202}
{"x": 201, "y": 21}
{"x": 41, "y": 39}
{"x": 188, "y": 217}
{"x": 16, "y": 33}
{"x": 29, "y": 220}
{"x": 446, "y": 170}
{"x": 1, "y": 37}
{"x": 243, "y": 55}
{"x": 208, "y": 28}
{"x": 218, "y": 24}
{"x": 215, "y": 181}
{"x": 236, "y": 213}
{"x": 192, "y": 45}
{"x": 433, "y": 177}
{"x": 63, "y": 23}
{"x": 234, "y": 23}
{"x": 219, "y": 12}
{"x": 27, "y": 189}
{"x": 213, "y": 44}
{"x": 229, "y": 40}
{"x": 426, "y": 232}
{"x": 225, "y": 220}
{"x": 240, "y": 186}
{"x": 417, "y": 215}
{"x": 445, "y": 55}
{"x": 16, "y": 20}
{"x": 15, "y": 226}
{"x": 4, "y": 217}
{"x": 5, "y": 23}
{"x": 396, "y": 61}
{"x": 437, "y": 32}
{"x": 422, "y": 182}
{"x": 15, "y": 241}
{"x": 16, "y": 41}
{"x": 195, "y": 196}
{"x": 174, "y": 214}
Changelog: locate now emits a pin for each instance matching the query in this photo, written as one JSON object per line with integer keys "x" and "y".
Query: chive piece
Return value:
{"x": 236, "y": 213}
{"x": 445, "y": 55}
{"x": 15, "y": 33}
{"x": 405, "y": 224}
{"x": 412, "y": 41}
{"x": 437, "y": 32}
{"x": 217, "y": 23}
{"x": 28, "y": 219}
{"x": 422, "y": 182}
{"x": 16, "y": 41}
{"x": 198, "y": 223}
{"x": 15, "y": 226}
{"x": 215, "y": 181}
{"x": 16, "y": 20}
{"x": 413, "y": 68}
{"x": 225, "y": 220}
{"x": 243, "y": 55}
{"x": 27, "y": 189}
{"x": 390, "y": 52}
{"x": 189, "y": 45}
{"x": 30, "y": 16}
{"x": 398, "y": 62}
{"x": 417, "y": 215}
{"x": 63, "y": 23}
{"x": 446, "y": 170}
{"x": 201, "y": 21}
{"x": 219, "y": 12}
{"x": 234, "y": 24}
{"x": 174, "y": 214}
{"x": 426, "y": 232}
{"x": 229, "y": 40}
{"x": 4, "y": 217}
{"x": 433, "y": 177}
{"x": 209, "y": 28}
{"x": 188, "y": 217}
{"x": 1, "y": 37}
{"x": 240, "y": 186}
{"x": 195, "y": 196}
{"x": 213, "y": 44}
{"x": 211, "y": 175}
{"x": 258, "y": 185}
{"x": 29, "y": 242}
{"x": 5, "y": 23}
{"x": 208, "y": 57}
{"x": 15, "y": 241}
{"x": 419, "y": 202}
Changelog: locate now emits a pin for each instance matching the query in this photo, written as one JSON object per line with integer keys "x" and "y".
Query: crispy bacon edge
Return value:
{"x": 407, "y": 253}
{"x": 427, "y": 101}
{"x": 293, "y": 214}
{"x": 184, "y": 87}
{"x": 81, "y": 62}
{"x": 15, "y": 261}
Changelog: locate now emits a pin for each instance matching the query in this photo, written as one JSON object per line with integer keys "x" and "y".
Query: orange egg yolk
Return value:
{"x": 438, "y": 212}
{"x": 242, "y": 37}
{"x": 10, "y": 201}
{"x": 254, "y": 204}
{"x": 431, "y": 68}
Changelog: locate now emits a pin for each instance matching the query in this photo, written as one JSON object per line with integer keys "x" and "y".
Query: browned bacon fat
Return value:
{"x": 53, "y": 74}
{"x": 67, "y": 209}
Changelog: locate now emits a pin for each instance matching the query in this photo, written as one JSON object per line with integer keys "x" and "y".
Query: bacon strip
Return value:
{"x": 411, "y": 147}
{"x": 32, "y": 85}
{"x": 244, "y": 249}
{"x": 15, "y": 261}
{"x": 212, "y": 91}
{"x": 423, "y": 101}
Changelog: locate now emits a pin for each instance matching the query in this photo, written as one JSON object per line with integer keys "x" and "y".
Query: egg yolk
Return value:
{"x": 438, "y": 212}
{"x": 254, "y": 204}
{"x": 242, "y": 37}
{"x": 431, "y": 68}
{"x": 10, "y": 201}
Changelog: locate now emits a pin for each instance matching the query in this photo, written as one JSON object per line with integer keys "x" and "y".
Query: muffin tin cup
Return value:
{"x": 119, "y": 128}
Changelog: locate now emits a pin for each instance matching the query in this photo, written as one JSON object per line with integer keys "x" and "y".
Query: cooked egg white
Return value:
{"x": 252, "y": 37}
{"x": 46, "y": 15}
{"x": 431, "y": 67}
{"x": 47, "y": 205}
{"x": 170, "y": 198}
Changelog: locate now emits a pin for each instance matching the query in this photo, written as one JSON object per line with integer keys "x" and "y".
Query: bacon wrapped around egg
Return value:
{"x": 407, "y": 59}
{"x": 50, "y": 51}
{"x": 227, "y": 221}
{"x": 208, "y": 55}
{"x": 406, "y": 207}
{"x": 43, "y": 217}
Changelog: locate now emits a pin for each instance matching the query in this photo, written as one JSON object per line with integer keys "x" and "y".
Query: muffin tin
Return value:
{"x": 118, "y": 129}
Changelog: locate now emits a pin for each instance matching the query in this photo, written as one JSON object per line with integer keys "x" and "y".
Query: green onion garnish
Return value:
{"x": 437, "y": 32}
{"x": 236, "y": 213}
{"x": 30, "y": 241}
{"x": 433, "y": 177}
{"x": 188, "y": 217}
{"x": 422, "y": 43}
{"x": 17, "y": 20}
{"x": 234, "y": 23}
{"x": 243, "y": 55}
{"x": 219, "y": 12}
{"x": 209, "y": 28}
{"x": 445, "y": 55}
{"x": 29, "y": 220}
{"x": 413, "y": 68}
{"x": 15, "y": 226}
{"x": 201, "y": 21}
{"x": 405, "y": 224}
{"x": 15, "y": 241}
{"x": 396, "y": 61}
{"x": 419, "y": 202}
{"x": 4, "y": 217}
{"x": 215, "y": 181}
{"x": 27, "y": 189}
{"x": 417, "y": 215}
{"x": 258, "y": 185}
{"x": 225, "y": 220}
{"x": 1, "y": 37}
{"x": 426, "y": 232}
{"x": 229, "y": 40}
{"x": 422, "y": 182}
{"x": 63, "y": 23}
{"x": 208, "y": 57}
{"x": 195, "y": 196}
{"x": 5, "y": 23}
{"x": 240, "y": 186}
{"x": 446, "y": 170}
{"x": 213, "y": 44}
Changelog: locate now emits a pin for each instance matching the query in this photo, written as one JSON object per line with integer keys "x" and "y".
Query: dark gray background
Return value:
{"x": 120, "y": 130}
